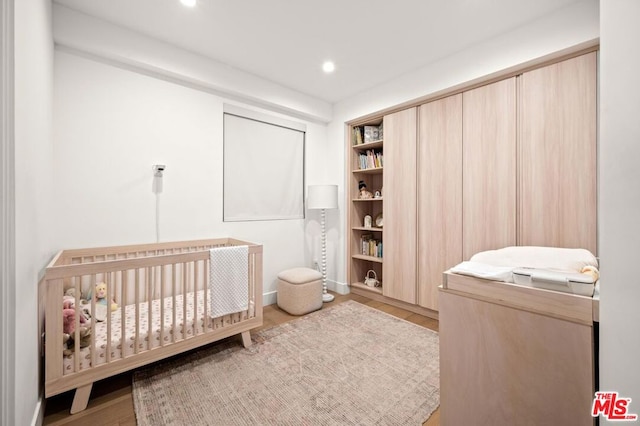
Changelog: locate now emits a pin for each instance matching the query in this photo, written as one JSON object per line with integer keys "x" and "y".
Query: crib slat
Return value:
{"x": 123, "y": 334}
{"x": 108, "y": 298}
{"x": 137, "y": 302}
{"x": 161, "y": 305}
{"x": 76, "y": 334}
{"x": 193, "y": 289}
{"x": 174, "y": 324}
{"x": 184, "y": 300}
{"x": 147, "y": 280}
{"x": 199, "y": 298}
{"x": 93, "y": 319}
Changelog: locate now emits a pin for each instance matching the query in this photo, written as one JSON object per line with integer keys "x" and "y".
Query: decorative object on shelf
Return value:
{"x": 377, "y": 194}
{"x": 323, "y": 197}
{"x": 379, "y": 220}
{"x": 371, "y": 281}
{"x": 373, "y": 133}
{"x": 364, "y": 194}
{"x": 367, "y": 221}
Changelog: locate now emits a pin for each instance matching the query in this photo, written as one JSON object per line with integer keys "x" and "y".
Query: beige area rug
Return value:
{"x": 346, "y": 364}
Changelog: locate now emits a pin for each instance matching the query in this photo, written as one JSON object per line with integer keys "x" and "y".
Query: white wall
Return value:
{"x": 33, "y": 172}
{"x": 620, "y": 199}
{"x": 570, "y": 26}
{"x": 111, "y": 125}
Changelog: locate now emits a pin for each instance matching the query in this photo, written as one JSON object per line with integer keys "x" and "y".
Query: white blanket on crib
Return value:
{"x": 229, "y": 280}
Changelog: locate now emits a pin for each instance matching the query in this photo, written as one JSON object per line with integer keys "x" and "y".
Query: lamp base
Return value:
{"x": 326, "y": 297}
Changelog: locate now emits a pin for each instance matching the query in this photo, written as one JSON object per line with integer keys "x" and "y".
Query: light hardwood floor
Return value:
{"x": 111, "y": 402}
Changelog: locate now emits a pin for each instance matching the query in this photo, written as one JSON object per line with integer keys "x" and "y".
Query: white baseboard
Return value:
{"x": 269, "y": 298}
{"x": 38, "y": 415}
{"x": 340, "y": 288}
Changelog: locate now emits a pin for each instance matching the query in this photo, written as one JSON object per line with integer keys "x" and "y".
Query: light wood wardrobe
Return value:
{"x": 399, "y": 209}
{"x": 509, "y": 162}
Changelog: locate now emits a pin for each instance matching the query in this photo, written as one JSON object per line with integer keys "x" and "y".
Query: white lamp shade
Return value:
{"x": 322, "y": 197}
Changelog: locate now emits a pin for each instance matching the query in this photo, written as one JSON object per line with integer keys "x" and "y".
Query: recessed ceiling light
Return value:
{"x": 189, "y": 3}
{"x": 328, "y": 67}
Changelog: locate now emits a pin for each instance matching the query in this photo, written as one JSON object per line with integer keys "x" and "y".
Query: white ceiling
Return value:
{"x": 286, "y": 41}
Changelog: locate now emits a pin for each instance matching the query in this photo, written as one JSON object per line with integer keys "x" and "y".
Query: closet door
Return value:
{"x": 399, "y": 210}
{"x": 439, "y": 194}
{"x": 557, "y": 155}
{"x": 489, "y": 167}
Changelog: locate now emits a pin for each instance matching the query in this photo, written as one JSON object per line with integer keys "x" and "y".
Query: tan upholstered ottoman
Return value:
{"x": 300, "y": 290}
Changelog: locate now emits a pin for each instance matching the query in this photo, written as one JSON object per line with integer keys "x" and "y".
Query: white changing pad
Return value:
{"x": 551, "y": 268}
{"x": 552, "y": 258}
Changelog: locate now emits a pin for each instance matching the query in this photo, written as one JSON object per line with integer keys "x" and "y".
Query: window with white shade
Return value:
{"x": 263, "y": 167}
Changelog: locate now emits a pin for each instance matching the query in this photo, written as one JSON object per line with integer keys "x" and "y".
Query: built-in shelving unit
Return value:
{"x": 365, "y": 162}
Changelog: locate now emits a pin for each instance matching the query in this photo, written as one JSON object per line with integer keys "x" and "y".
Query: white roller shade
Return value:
{"x": 263, "y": 170}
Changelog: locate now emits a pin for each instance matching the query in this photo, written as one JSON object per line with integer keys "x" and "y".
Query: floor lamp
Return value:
{"x": 323, "y": 197}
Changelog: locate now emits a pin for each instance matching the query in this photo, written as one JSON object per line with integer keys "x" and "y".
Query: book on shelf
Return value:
{"x": 370, "y": 159}
{"x": 358, "y": 135}
{"x": 371, "y": 246}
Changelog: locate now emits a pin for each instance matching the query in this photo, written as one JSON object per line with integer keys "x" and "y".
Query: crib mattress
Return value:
{"x": 194, "y": 316}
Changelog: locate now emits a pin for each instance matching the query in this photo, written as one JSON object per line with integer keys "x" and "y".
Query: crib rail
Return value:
{"x": 163, "y": 308}
{"x": 97, "y": 254}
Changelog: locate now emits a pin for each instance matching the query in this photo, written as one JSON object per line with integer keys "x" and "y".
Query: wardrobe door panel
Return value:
{"x": 489, "y": 167}
{"x": 399, "y": 210}
{"x": 439, "y": 194}
{"x": 557, "y": 155}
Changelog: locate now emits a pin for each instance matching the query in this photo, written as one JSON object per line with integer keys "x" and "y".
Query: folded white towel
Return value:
{"x": 229, "y": 280}
{"x": 483, "y": 270}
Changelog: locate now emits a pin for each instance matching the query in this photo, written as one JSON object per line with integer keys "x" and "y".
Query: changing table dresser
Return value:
{"x": 511, "y": 354}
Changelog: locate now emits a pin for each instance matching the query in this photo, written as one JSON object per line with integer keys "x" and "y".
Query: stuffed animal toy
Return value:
{"x": 69, "y": 321}
{"x": 69, "y": 328}
{"x": 591, "y": 270}
{"x": 68, "y": 303}
{"x": 70, "y": 297}
{"x": 68, "y": 341}
{"x": 101, "y": 296}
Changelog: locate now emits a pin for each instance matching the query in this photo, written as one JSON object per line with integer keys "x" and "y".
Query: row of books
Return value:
{"x": 370, "y": 159}
{"x": 365, "y": 134}
{"x": 371, "y": 246}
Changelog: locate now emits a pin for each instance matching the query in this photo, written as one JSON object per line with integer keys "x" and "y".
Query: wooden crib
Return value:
{"x": 163, "y": 308}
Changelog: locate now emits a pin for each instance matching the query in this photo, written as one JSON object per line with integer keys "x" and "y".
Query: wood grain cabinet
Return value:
{"x": 439, "y": 194}
{"x": 557, "y": 155}
{"x": 400, "y": 211}
{"x": 489, "y": 167}
{"x": 514, "y": 356}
